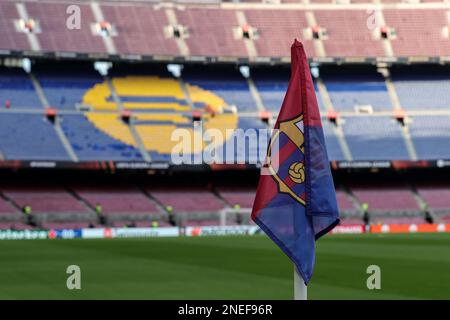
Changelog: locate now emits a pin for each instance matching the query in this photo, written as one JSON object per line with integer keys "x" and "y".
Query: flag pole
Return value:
{"x": 300, "y": 289}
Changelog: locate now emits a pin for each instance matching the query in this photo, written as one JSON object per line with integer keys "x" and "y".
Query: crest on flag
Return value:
{"x": 286, "y": 161}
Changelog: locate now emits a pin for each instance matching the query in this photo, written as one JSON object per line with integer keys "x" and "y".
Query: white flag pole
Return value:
{"x": 300, "y": 289}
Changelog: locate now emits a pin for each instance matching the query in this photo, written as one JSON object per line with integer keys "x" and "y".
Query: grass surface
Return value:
{"x": 412, "y": 266}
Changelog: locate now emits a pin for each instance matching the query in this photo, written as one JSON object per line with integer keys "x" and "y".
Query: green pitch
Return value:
{"x": 412, "y": 266}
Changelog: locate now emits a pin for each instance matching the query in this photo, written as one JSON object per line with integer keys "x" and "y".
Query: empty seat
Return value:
{"x": 431, "y": 136}
{"x": 29, "y": 137}
{"x": 17, "y": 88}
{"x": 90, "y": 143}
{"x": 374, "y": 138}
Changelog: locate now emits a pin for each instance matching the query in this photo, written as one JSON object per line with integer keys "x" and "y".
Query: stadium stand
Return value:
{"x": 188, "y": 201}
{"x": 344, "y": 37}
{"x": 243, "y": 198}
{"x": 392, "y": 203}
{"x": 419, "y": 32}
{"x": 160, "y": 106}
{"x": 65, "y": 86}
{"x": 19, "y": 142}
{"x": 272, "y": 85}
{"x": 277, "y": 29}
{"x": 17, "y": 89}
{"x": 7, "y": 211}
{"x": 55, "y": 36}
{"x": 374, "y": 138}
{"x": 436, "y": 195}
{"x": 334, "y": 150}
{"x": 204, "y": 25}
{"x": 158, "y": 102}
{"x": 422, "y": 87}
{"x": 44, "y": 199}
{"x": 386, "y": 197}
{"x": 118, "y": 200}
{"x": 227, "y": 83}
{"x": 344, "y": 202}
{"x": 272, "y": 88}
{"x": 139, "y": 29}
{"x": 192, "y": 30}
{"x": 358, "y": 87}
{"x": 430, "y": 135}
{"x": 11, "y": 38}
{"x": 90, "y": 143}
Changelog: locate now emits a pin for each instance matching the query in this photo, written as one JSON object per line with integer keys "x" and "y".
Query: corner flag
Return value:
{"x": 295, "y": 201}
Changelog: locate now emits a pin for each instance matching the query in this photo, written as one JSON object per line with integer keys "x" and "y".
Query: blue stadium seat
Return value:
{"x": 272, "y": 86}
{"x": 90, "y": 144}
{"x": 348, "y": 90}
{"x": 431, "y": 136}
{"x": 334, "y": 150}
{"x": 374, "y": 138}
{"x": 420, "y": 89}
{"x": 227, "y": 84}
{"x": 16, "y": 86}
{"x": 64, "y": 89}
{"x": 29, "y": 137}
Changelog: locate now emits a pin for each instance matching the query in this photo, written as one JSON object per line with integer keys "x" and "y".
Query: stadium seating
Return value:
{"x": 91, "y": 143}
{"x": 277, "y": 30}
{"x": 243, "y": 198}
{"x": 227, "y": 83}
{"x": 29, "y": 137}
{"x": 7, "y": 210}
{"x": 118, "y": 200}
{"x": 350, "y": 89}
{"x": 431, "y": 136}
{"x": 188, "y": 201}
{"x": 334, "y": 150}
{"x": 419, "y": 26}
{"x": 49, "y": 203}
{"x": 125, "y": 205}
{"x": 436, "y": 196}
{"x": 151, "y": 93}
{"x": 17, "y": 88}
{"x": 272, "y": 86}
{"x": 344, "y": 202}
{"x": 10, "y": 38}
{"x": 385, "y": 197}
{"x": 424, "y": 88}
{"x": 210, "y": 32}
{"x": 348, "y": 34}
{"x": 144, "y": 29}
{"x": 44, "y": 199}
{"x": 55, "y": 35}
{"x": 65, "y": 87}
{"x": 140, "y": 29}
{"x": 374, "y": 138}
{"x": 159, "y": 106}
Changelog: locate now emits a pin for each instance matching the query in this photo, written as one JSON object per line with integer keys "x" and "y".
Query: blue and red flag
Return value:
{"x": 295, "y": 202}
